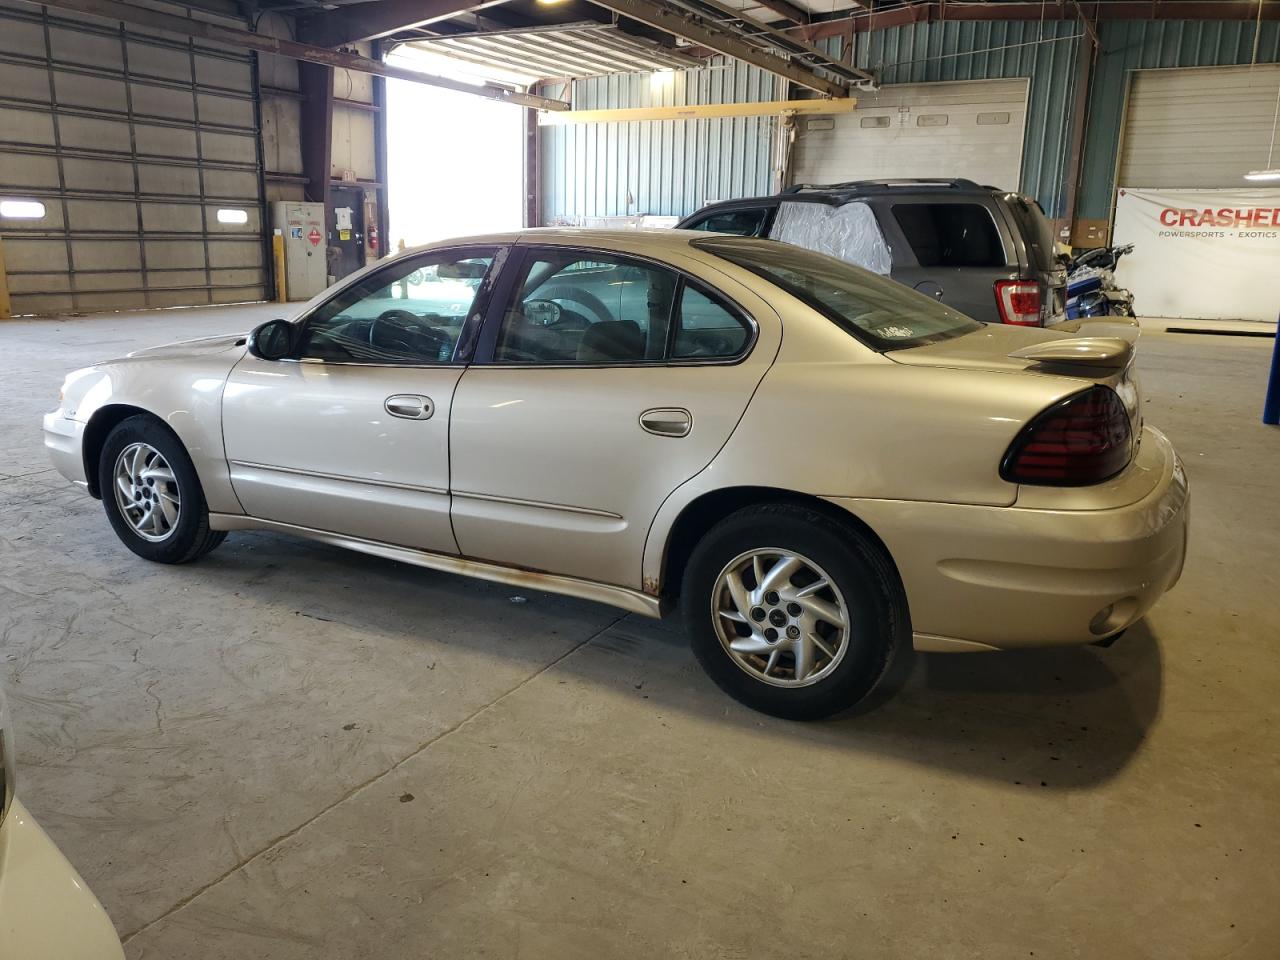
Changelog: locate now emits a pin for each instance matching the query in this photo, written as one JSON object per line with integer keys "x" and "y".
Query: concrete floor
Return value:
{"x": 290, "y": 751}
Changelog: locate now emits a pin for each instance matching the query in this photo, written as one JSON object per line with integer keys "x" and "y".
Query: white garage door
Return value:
{"x": 130, "y": 163}
{"x": 1202, "y": 127}
{"x": 971, "y": 129}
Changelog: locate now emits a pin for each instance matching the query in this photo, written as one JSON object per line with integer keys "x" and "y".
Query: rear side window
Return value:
{"x": 951, "y": 234}
{"x": 706, "y": 328}
{"x": 744, "y": 223}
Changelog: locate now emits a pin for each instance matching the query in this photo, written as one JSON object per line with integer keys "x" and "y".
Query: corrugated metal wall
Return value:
{"x": 673, "y": 167}
{"x": 668, "y": 167}
{"x": 1135, "y": 45}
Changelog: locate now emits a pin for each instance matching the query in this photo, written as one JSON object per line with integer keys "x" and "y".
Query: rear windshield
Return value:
{"x": 951, "y": 234}
{"x": 1036, "y": 230}
{"x": 882, "y": 313}
{"x": 744, "y": 223}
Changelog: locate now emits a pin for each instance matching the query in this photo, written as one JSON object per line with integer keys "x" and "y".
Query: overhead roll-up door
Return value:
{"x": 1198, "y": 127}
{"x": 143, "y": 152}
{"x": 971, "y": 129}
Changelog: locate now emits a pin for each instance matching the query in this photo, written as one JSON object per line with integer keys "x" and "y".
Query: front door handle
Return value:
{"x": 410, "y": 406}
{"x": 667, "y": 422}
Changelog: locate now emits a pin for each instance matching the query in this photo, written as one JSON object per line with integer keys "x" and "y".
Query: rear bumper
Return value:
{"x": 62, "y": 440}
{"x": 46, "y": 911}
{"x": 982, "y": 578}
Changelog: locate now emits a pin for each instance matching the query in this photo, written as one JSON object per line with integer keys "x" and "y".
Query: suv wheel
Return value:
{"x": 152, "y": 494}
{"x": 791, "y": 612}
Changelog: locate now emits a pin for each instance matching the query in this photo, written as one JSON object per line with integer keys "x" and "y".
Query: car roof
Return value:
{"x": 619, "y": 238}
{"x": 838, "y": 193}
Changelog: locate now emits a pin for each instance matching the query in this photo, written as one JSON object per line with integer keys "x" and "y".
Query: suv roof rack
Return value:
{"x": 868, "y": 186}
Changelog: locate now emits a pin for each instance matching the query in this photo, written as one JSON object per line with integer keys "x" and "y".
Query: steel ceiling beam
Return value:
{"x": 731, "y": 45}
{"x": 788, "y": 11}
{"x": 371, "y": 21}
{"x": 864, "y": 21}
{"x": 292, "y": 50}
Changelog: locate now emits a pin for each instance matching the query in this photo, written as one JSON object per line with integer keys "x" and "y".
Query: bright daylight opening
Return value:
{"x": 227, "y": 215}
{"x": 455, "y": 161}
{"x": 21, "y": 209}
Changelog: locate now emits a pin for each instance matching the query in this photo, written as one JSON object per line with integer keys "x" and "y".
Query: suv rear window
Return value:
{"x": 951, "y": 234}
{"x": 745, "y": 223}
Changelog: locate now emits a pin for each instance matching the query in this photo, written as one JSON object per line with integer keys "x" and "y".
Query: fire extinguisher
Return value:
{"x": 373, "y": 239}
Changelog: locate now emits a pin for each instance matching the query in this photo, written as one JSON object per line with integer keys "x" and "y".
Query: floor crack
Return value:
{"x": 358, "y": 788}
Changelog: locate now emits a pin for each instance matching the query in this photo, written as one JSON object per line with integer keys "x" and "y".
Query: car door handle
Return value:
{"x": 410, "y": 406}
{"x": 667, "y": 422}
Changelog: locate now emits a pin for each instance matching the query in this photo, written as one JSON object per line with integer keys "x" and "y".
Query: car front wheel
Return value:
{"x": 152, "y": 495}
{"x": 792, "y": 612}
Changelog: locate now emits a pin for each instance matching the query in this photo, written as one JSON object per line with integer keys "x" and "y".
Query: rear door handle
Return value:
{"x": 410, "y": 406}
{"x": 667, "y": 421}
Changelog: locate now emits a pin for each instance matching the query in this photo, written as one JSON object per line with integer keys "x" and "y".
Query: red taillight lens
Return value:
{"x": 1019, "y": 302}
{"x": 1082, "y": 440}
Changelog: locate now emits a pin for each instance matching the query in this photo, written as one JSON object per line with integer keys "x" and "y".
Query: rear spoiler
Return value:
{"x": 1111, "y": 353}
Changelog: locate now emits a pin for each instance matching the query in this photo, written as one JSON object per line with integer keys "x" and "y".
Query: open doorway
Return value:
{"x": 455, "y": 162}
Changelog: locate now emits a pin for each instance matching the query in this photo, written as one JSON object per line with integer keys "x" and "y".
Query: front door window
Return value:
{"x": 412, "y": 312}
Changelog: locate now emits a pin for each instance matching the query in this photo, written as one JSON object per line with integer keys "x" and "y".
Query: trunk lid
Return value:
{"x": 1107, "y": 361}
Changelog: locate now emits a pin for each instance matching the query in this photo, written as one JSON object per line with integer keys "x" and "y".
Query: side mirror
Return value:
{"x": 272, "y": 340}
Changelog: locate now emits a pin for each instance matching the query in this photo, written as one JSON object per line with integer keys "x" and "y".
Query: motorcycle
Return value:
{"x": 1091, "y": 285}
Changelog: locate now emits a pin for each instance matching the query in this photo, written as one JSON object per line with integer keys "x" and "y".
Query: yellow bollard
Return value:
{"x": 5, "y": 305}
{"x": 277, "y": 256}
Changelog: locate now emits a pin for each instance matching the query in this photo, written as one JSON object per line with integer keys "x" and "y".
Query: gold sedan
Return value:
{"x": 817, "y": 465}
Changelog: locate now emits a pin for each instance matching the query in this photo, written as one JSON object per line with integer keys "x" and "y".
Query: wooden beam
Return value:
{"x": 704, "y": 111}
{"x": 371, "y": 21}
{"x": 731, "y": 45}
{"x": 1079, "y": 115}
{"x": 307, "y": 53}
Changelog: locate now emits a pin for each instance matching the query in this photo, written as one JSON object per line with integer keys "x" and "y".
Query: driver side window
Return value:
{"x": 409, "y": 313}
{"x": 573, "y": 308}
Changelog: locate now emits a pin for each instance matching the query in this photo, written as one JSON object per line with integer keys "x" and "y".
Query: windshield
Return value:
{"x": 880, "y": 312}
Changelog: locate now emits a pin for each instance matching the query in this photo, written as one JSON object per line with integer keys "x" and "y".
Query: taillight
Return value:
{"x": 1019, "y": 302}
{"x": 1081, "y": 440}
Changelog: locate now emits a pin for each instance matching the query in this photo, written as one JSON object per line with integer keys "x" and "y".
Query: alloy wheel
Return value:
{"x": 780, "y": 617}
{"x": 147, "y": 492}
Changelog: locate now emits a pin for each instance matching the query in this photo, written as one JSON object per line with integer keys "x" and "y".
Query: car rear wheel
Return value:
{"x": 152, "y": 495}
{"x": 792, "y": 612}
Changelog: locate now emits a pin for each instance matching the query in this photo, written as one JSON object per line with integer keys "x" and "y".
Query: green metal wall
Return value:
{"x": 1146, "y": 44}
{"x": 668, "y": 167}
{"x": 674, "y": 166}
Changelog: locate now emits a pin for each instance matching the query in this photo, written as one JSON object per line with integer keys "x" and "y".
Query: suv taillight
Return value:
{"x": 1081, "y": 440}
{"x": 1019, "y": 302}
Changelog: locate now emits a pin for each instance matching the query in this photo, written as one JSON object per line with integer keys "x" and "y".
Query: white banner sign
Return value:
{"x": 1201, "y": 254}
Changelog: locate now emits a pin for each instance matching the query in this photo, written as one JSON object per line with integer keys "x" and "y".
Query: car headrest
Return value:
{"x": 611, "y": 340}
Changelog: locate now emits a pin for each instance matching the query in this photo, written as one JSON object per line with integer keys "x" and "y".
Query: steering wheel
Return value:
{"x": 403, "y": 325}
{"x": 575, "y": 295}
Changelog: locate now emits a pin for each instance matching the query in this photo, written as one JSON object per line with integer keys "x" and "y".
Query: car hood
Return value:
{"x": 190, "y": 348}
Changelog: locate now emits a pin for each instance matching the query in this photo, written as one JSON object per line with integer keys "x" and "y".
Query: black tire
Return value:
{"x": 864, "y": 575}
{"x": 190, "y": 537}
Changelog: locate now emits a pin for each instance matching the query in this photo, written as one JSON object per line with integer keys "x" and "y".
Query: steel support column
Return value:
{"x": 316, "y": 83}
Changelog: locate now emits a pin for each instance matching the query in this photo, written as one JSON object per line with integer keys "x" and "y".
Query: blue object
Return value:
{"x": 1271, "y": 407}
